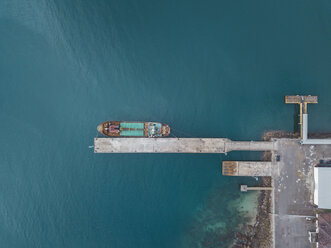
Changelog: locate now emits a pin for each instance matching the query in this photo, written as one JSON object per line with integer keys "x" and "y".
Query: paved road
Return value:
{"x": 293, "y": 191}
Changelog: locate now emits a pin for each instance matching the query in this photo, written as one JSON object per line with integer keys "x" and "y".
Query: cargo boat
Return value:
{"x": 134, "y": 129}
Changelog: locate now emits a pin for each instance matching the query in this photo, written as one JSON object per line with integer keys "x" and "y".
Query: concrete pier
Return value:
{"x": 245, "y": 188}
{"x": 177, "y": 145}
{"x": 249, "y": 146}
{"x": 249, "y": 168}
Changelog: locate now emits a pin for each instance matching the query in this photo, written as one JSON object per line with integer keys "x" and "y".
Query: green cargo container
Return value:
{"x": 136, "y": 125}
{"x": 132, "y": 133}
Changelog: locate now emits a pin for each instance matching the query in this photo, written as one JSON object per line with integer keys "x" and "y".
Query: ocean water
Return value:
{"x": 206, "y": 68}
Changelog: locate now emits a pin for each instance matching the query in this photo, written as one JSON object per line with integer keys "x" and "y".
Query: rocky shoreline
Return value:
{"x": 259, "y": 235}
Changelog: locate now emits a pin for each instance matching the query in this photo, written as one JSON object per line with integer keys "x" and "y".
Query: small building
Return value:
{"x": 322, "y": 193}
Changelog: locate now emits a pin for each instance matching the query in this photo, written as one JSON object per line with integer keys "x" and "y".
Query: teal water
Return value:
{"x": 206, "y": 68}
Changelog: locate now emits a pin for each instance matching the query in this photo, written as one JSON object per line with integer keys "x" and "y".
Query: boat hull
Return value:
{"x": 134, "y": 129}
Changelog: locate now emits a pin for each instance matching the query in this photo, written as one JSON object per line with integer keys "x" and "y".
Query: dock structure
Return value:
{"x": 249, "y": 168}
{"x": 245, "y": 188}
{"x": 291, "y": 171}
{"x": 302, "y": 101}
{"x": 178, "y": 145}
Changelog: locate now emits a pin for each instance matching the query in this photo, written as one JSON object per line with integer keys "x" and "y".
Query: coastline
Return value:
{"x": 259, "y": 234}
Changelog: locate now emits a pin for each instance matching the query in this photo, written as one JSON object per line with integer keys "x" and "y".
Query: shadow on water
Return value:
{"x": 296, "y": 118}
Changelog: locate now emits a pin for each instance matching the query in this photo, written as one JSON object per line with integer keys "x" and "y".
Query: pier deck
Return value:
{"x": 301, "y": 99}
{"x": 249, "y": 168}
{"x": 245, "y": 188}
{"x": 177, "y": 145}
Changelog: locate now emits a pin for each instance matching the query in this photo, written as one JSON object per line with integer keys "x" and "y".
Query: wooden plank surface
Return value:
{"x": 301, "y": 99}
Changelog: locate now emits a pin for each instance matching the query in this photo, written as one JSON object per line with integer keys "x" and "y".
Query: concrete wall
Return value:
{"x": 304, "y": 127}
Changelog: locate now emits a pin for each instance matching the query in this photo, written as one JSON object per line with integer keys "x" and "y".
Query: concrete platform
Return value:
{"x": 251, "y": 168}
{"x": 293, "y": 192}
{"x": 177, "y": 145}
{"x": 245, "y": 188}
{"x": 250, "y": 146}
